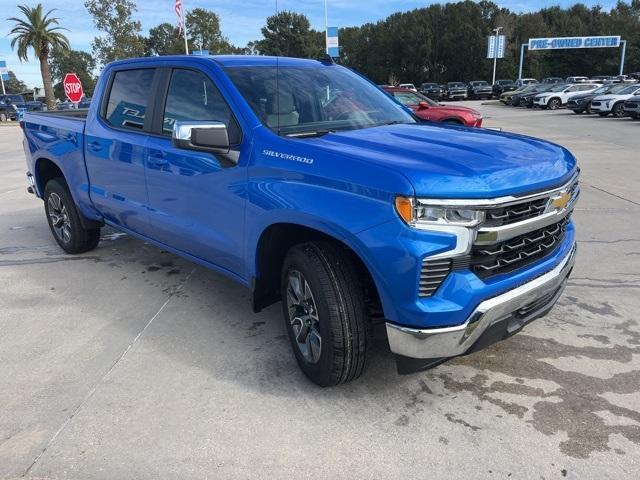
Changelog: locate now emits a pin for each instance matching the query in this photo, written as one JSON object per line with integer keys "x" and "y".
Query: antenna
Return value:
{"x": 278, "y": 68}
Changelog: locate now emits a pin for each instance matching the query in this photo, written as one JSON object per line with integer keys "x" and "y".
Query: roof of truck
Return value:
{"x": 233, "y": 60}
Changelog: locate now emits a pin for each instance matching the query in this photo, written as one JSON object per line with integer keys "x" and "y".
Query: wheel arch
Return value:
{"x": 271, "y": 249}
{"x": 45, "y": 170}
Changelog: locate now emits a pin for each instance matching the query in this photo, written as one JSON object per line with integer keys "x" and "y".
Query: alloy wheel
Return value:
{"x": 59, "y": 218}
{"x": 303, "y": 316}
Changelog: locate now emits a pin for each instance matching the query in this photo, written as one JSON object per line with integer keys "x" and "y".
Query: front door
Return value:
{"x": 196, "y": 199}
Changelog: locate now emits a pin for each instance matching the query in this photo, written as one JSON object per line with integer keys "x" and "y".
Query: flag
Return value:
{"x": 180, "y": 14}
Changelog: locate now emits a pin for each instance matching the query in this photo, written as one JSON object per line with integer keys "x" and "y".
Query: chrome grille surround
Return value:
{"x": 517, "y": 230}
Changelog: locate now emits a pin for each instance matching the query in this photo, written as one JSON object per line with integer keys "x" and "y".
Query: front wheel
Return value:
{"x": 64, "y": 219}
{"x": 325, "y": 312}
{"x": 618, "y": 110}
{"x": 554, "y": 104}
{"x": 3, "y": 117}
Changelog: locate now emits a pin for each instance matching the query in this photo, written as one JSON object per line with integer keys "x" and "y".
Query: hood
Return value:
{"x": 454, "y": 108}
{"x": 456, "y": 162}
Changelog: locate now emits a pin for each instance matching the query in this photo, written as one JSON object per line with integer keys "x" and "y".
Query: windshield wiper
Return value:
{"x": 308, "y": 133}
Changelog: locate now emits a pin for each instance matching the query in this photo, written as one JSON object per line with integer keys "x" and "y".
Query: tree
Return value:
{"x": 13, "y": 85}
{"x": 122, "y": 39}
{"x": 203, "y": 29}
{"x": 81, "y": 63}
{"x": 40, "y": 32}
{"x": 289, "y": 34}
{"x": 164, "y": 39}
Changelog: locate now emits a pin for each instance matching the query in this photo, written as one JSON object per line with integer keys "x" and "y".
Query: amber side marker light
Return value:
{"x": 404, "y": 207}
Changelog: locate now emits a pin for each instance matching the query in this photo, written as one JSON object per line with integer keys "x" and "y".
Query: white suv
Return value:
{"x": 559, "y": 95}
{"x": 613, "y": 103}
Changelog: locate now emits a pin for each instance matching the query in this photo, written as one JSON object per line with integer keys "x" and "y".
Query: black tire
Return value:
{"x": 341, "y": 321}
{"x": 554, "y": 104}
{"x": 618, "y": 110}
{"x": 64, "y": 219}
{"x": 3, "y": 117}
{"x": 578, "y": 111}
{"x": 634, "y": 115}
{"x": 589, "y": 111}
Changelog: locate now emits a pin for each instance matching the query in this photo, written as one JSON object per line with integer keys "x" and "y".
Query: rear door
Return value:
{"x": 116, "y": 149}
{"x": 197, "y": 199}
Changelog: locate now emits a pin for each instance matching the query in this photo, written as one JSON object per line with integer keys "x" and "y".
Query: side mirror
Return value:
{"x": 423, "y": 105}
{"x": 202, "y": 136}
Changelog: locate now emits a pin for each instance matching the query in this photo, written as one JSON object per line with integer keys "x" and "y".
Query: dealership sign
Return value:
{"x": 573, "y": 42}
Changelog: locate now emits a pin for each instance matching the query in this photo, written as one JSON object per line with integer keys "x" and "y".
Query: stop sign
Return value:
{"x": 72, "y": 87}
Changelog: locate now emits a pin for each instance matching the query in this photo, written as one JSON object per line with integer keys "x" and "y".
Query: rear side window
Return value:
{"x": 193, "y": 96}
{"x": 129, "y": 97}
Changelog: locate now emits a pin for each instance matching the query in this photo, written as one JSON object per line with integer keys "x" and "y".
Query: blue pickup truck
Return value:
{"x": 304, "y": 182}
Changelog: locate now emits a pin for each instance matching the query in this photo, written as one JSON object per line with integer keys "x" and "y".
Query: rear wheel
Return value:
{"x": 64, "y": 219}
{"x": 554, "y": 104}
{"x": 618, "y": 110}
{"x": 325, "y": 312}
{"x": 3, "y": 117}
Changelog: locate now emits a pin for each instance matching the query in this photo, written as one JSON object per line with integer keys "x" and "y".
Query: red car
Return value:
{"x": 427, "y": 109}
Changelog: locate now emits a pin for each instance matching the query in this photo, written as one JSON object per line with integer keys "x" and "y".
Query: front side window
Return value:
{"x": 308, "y": 100}
{"x": 192, "y": 96}
{"x": 129, "y": 98}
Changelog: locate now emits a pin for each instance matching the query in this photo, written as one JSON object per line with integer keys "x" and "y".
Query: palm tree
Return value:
{"x": 41, "y": 33}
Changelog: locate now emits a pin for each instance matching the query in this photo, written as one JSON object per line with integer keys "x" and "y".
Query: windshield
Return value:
{"x": 505, "y": 82}
{"x": 429, "y": 85}
{"x": 629, "y": 90}
{"x": 412, "y": 99}
{"x": 480, "y": 84}
{"x": 456, "y": 85}
{"x": 301, "y": 100}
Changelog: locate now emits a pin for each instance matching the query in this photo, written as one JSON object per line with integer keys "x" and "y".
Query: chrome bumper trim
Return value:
{"x": 453, "y": 341}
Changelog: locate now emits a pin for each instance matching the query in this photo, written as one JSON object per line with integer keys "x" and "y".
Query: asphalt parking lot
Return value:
{"x": 129, "y": 362}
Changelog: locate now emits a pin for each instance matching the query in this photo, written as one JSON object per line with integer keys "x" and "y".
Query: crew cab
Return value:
{"x": 503, "y": 86}
{"x": 613, "y": 102}
{"x": 427, "y": 109}
{"x": 560, "y": 94}
{"x": 305, "y": 183}
{"x": 479, "y": 89}
{"x": 432, "y": 90}
{"x": 455, "y": 90}
{"x": 12, "y": 107}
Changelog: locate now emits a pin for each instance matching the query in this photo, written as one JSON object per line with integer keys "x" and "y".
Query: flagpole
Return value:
{"x": 2, "y": 81}
{"x": 184, "y": 29}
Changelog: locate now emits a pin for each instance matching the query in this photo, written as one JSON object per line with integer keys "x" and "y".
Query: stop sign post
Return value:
{"x": 72, "y": 87}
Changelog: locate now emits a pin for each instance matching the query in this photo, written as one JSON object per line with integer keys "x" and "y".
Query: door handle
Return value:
{"x": 94, "y": 146}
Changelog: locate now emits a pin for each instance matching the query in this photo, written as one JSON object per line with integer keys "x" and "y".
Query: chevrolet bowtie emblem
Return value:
{"x": 561, "y": 200}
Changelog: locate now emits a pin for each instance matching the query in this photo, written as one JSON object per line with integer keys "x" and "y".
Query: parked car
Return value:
{"x": 613, "y": 102}
{"x": 525, "y": 98}
{"x": 525, "y": 81}
{"x": 582, "y": 103}
{"x": 552, "y": 80}
{"x": 560, "y": 94}
{"x": 502, "y": 86}
{"x": 479, "y": 89}
{"x": 335, "y": 216}
{"x": 427, "y": 109}
{"x": 632, "y": 107}
{"x": 576, "y": 80}
{"x": 507, "y": 96}
{"x": 408, "y": 86}
{"x": 13, "y": 107}
{"x": 601, "y": 78}
{"x": 455, "y": 91}
{"x": 432, "y": 90}
{"x": 84, "y": 103}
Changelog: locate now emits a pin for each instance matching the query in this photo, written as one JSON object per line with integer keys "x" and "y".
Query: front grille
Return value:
{"x": 596, "y": 104}
{"x": 631, "y": 105}
{"x": 496, "y": 217}
{"x": 517, "y": 252}
{"x": 432, "y": 274}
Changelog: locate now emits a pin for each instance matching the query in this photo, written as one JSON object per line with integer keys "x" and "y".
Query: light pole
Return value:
{"x": 495, "y": 52}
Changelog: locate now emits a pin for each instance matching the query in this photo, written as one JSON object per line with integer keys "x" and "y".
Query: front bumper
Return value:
{"x": 601, "y": 107}
{"x": 492, "y": 320}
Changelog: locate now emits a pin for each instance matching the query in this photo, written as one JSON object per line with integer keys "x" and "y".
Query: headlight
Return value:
{"x": 419, "y": 212}
{"x": 14, "y": 107}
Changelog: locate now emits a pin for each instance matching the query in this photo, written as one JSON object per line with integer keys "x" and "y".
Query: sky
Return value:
{"x": 240, "y": 20}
